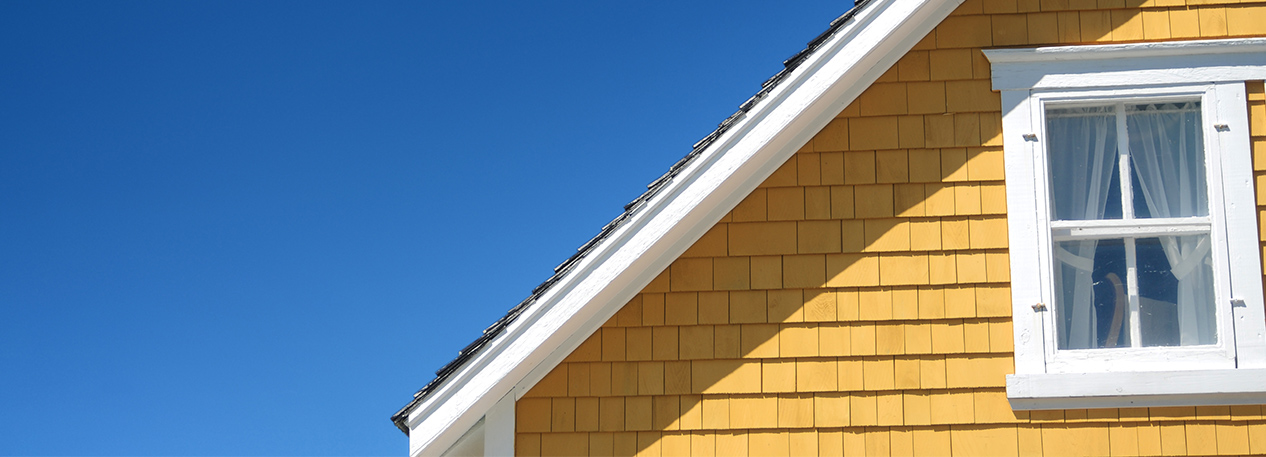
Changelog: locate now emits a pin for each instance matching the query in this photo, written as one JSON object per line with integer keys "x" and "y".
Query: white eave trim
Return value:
{"x": 1132, "y": 64}
{"x": 1137, "y": 389}
{"x": 713, "y": 183}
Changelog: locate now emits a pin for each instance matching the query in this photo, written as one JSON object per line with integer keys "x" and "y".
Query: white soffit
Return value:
{"x": 709, "y": 187}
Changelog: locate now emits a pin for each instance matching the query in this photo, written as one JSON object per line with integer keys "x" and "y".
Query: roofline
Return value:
{"x": 698, "y": 196}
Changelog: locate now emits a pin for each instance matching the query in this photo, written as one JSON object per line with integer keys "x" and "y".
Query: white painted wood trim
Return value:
{"x": 1249, "y": 321}
{"x": 1212, "y": 69}
{"x": 1137, "y": 389}
{"x": 710, "y": 185}
{"x": 1135, "y": 64}
{"x": 499, "y": 429}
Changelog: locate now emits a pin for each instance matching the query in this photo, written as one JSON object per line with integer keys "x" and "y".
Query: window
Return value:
{"x": 1136, "y": 278}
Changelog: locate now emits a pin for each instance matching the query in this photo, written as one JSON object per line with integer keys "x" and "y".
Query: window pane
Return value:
{"x": 1176, "y": 305}
{"x": 1167, "y": 157}
{"x": 1092, "y": 307}
{"x": 1083, "y": 159}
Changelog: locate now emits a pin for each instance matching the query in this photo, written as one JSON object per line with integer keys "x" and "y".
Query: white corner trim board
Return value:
{"x": 709, "y": 187}
{"x": 1213, "y": 71}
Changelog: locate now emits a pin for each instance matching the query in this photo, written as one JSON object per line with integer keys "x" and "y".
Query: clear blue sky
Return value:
{"x": 256, "y": 228}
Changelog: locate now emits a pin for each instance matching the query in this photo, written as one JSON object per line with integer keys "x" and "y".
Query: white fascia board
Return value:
{"x": 1135, "y": 64}
{"x": 696, "y": 199}
{"x": 1137, "y": 389}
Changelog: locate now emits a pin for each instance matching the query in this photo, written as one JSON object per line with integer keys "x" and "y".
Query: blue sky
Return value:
{"x": 256, "y": 228}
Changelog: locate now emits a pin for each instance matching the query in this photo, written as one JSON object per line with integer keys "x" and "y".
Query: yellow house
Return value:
{"x": 948, "y": 227}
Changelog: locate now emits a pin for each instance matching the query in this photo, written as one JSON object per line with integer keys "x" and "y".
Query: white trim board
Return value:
{"x": 704, "y": 191}
{"x": 1137, "y": 389}
{"x": 1137, "y": 64}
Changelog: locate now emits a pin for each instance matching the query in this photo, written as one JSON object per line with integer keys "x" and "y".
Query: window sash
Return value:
{"x": 1220, "y": 355}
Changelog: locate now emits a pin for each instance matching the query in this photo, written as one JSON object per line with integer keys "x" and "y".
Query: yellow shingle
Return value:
{"x": 650, "y": 378}
{"x": 903, "y": 269}
{"x": 682, "y": 308}
{"x": 890, "y": 339}
{"x": 712, "y": 244}
{"x": 846, "y": 304}
{"x": 908, "y": 200}
{"x": 766, "y": 272}
{"x": 832, "y": 168}
{"x": 963, "y": 32}
{"x": 1232, "y": 438}
{"x": 816, "y": 375}
{"x": 778, "y": 376}
{"x": 714, "y": 307}
{"x": 932, "y": 372}
{"x": 691, "y": 408}
{"x": 966, "y": 199}
{"x": 1246, "y": 20}
{"x": 637, "y": 343}
{"x": 1096, "y": 25}
{"x": 562, "y": 414}
{"x": 953, "y": 407}
{"x": 1043, "y": 28}
{"x": 725, "y": 376}
{"x": 1127, "y": 25}
{"x": 677, "y": 377}
{"x": 532, "y": 415}
{"x": 925, "y": 165}
{"x": 874, "y": 304}
{"x": 759, "y": 340}
{"x": 938, "y": 130}
{"x": 731, "y": 273}
{"x": 905, "y": 303}
{"x": 997, "y": 266}
{"x": 947, "y": 337}
{"x": 910, "y": 132}
{"x": 578, "y": 379}
{"x": 725, "y": 341}
{"x": 883, "y": 99}
{"x": 587, "y": 414}
{"x": 931, "y": 303}
{"x": 804, "y": 271}
{"x": 986, "y": 441}
{"x": 913, "y": 66}
{"x": 842, "y": 202}
{"x": 906, "y": 373}
{"x": 833, "y": 137}
{"x": 955, "y": 233}
{"x": 863, "y": 339}
{"x": 691, "y": 274}
{"x": 664, "y": 343}
{"x": 798, "y": 340}
{"x": 878, "y": 373}
{"x": 753, "y": 412}
{"x": 1184, "y": 23}
{"x": 527, "y": 444}
{"x": 918, "y": 338}
{"x": 971, "y": 95}
{"x": 887, "y": 235}
{"x": 819, "y": 306}
{"x": 940, "y": 199}
{"x": 834, "y": 340}
{"x": 785, "y": 203}
{"x": 966, "y": 129}
{"x": 817, "y": 202}
{"x": 716, "y": 413}
{"x": 808, "y": 169}
{"x": 1212, "y": 24}
{"x": 696, "y": 342}
{"x": 859, "y": 167}
{"x": 760, "y": 238}
{"x": 862, "y": 409}
{"x": 929, "y": 97}
{"x": 611, "y": 414}
{"x": 872, "y": 133}
{"x": 1155, "y": 24}
{"x": 830, "y": 410}
{"x": 675, "y": 444}
{"x": 752, "y": 208}
{"x": 747, "y": 306}
{"x": 970, "y": 266}
{"x": 785, "y": 305}
{"x": 850, "y": 374}
{"x": 852, "y": 270}
{"x": 818, "y": 237}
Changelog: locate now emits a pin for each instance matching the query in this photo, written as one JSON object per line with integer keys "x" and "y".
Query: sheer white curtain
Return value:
{"x": 1083, "y": 156}
{"x": 1166, "y": 149}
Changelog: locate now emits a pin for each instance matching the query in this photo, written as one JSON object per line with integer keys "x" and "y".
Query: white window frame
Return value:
{"x": 1234, "y": 371}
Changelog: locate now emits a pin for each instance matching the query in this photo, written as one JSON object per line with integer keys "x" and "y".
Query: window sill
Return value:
{"x": 1137, "y": 389}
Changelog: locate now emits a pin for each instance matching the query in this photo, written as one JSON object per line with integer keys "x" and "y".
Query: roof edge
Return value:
{"x": 729, "y": 167}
